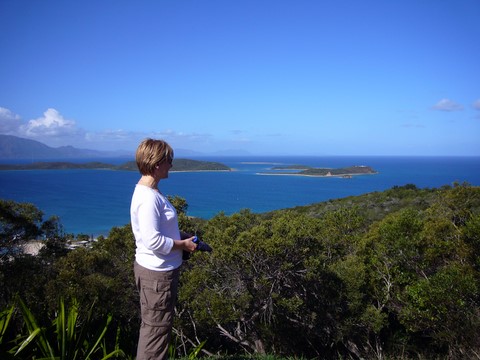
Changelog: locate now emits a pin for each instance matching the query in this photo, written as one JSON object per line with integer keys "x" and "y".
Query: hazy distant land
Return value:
{"x": 195, "y": 165}
{"x": 12, "y": 147}
{"x": 304, "y": 170}
{"x": 178, "y": 165}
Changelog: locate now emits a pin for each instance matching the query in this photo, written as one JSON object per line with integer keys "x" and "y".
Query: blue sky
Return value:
{"x": 269, "y": 77}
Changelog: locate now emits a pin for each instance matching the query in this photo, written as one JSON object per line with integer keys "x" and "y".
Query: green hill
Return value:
{"x": 311, "y": 171}
{"x": 376, "y": 205}
{"x": 178, "y": 165}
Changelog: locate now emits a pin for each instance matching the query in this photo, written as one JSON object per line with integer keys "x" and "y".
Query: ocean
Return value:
{"x": 93, "y": 201}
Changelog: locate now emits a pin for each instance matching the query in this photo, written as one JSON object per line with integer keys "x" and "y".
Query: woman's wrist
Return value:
{"x": 179, "y": 244}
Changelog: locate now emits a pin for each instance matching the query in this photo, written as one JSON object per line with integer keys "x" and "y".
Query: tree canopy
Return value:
{"x": 393, "y": 273}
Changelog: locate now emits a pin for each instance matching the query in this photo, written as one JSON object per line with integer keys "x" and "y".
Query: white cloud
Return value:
{"x": 412, "y": 125}
{"x": 53, "y": 129}
{"x": 123, "y": 139}
{"x": 447, "y": 105}
{"x": 180, "y": 137}
{"x": 110, "y": 135}
{"x": 476, "y": 105}
{"x": 52, "y": 124}
{"x": 9, "y": 122}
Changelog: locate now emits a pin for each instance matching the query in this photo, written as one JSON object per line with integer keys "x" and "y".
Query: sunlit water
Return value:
{"x": 93, "y": 201}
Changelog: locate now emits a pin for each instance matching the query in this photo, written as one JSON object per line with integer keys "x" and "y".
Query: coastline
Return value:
{"x": 186, "y": 171}
{"x": 92, "y": 202}
{"x": 344, "y": 176}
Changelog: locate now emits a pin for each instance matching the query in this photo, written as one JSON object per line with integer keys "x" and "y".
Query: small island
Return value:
{"x": 303, "y": 170}
{"x": 178, "y": 165}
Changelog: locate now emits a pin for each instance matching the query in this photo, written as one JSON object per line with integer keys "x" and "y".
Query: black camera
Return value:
{"x": 201, "y": 246}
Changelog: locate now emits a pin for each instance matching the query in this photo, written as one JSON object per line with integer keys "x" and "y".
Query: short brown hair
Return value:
{"x": 150, "y": 153}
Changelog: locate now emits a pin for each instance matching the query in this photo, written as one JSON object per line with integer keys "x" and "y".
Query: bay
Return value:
{"x": 93, "y": 201}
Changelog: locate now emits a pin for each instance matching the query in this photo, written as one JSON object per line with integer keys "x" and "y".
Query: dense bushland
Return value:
{"x": 391, "y": 274}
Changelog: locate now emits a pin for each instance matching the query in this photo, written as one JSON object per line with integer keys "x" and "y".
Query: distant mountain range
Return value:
{"x": 13, "y": 147}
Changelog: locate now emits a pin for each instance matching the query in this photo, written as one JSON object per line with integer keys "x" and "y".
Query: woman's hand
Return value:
{"x": 190, "y": 246}
{"x": 185, "y": 244}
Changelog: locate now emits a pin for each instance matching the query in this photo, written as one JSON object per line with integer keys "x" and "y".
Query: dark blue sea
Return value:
{"x": 93, "y": 201}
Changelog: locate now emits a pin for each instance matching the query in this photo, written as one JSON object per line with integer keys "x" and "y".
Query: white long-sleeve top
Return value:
{"x": 155, "y": 226}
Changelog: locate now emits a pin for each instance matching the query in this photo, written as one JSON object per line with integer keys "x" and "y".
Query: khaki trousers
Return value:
{"x": 158, "y": 293}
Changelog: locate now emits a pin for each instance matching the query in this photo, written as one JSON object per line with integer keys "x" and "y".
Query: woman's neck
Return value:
{"x": 148, "y": 180}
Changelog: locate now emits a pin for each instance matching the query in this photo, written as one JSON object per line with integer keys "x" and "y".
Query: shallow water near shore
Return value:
{"x": 93, "y": 201}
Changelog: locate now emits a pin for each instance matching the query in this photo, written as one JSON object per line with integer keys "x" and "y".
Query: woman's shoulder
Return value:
{"x": 147, "y": 193}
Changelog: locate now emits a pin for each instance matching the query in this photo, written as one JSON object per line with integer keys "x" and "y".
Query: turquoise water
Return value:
{"x": 93, "y": 201}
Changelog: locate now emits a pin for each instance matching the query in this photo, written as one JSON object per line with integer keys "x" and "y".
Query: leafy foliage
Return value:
{"x": 69, "y": 337}
{"x": 18, "y": 222}
{"x": 386, "y": 274}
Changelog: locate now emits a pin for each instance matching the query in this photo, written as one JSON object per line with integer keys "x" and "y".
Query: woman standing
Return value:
{"x": 159, "y": 249}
